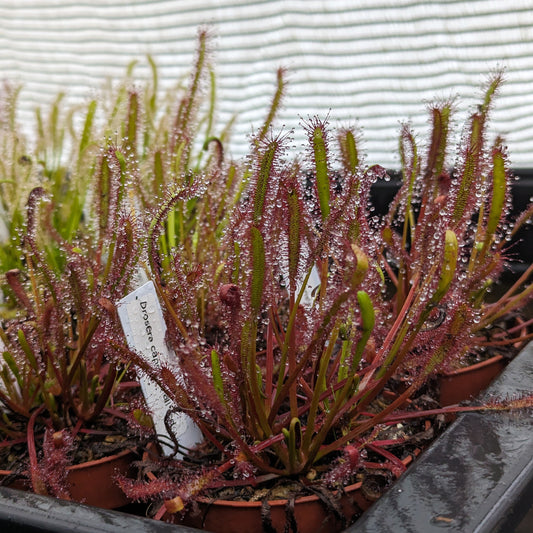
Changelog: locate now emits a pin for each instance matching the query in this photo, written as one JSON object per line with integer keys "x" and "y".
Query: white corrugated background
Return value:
{"x": 374, "y": 62}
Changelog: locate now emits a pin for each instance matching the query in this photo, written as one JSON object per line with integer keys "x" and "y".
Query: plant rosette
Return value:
{"x": 307, "y": 507}
{"x": 286, "y": 377}
{"x": 69, "y": 201}
{"x": 231, "y": 506}
{"x": 60, "y": 392}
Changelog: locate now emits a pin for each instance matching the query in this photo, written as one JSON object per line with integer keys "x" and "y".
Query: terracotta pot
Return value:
{"x": 92, "y": 482}
{"x": 311, "y": 515}
{"x": 466, "y": 383}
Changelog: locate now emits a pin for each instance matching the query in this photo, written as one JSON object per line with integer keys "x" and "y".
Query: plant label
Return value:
{"x": 310, "y": 290}
{"x": 144, "y": 326}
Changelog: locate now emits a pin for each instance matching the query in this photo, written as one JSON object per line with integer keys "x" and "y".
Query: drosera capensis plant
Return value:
{"x": 73, "y": 206}
{"x": 59, "y": 378}
{"x": 472, "y": 207}
{"x": 288, "y": 387}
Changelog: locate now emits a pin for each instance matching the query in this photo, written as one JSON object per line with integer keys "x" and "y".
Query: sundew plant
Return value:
{"x": 287, "y": 379}
{"x": 73, "y": 207}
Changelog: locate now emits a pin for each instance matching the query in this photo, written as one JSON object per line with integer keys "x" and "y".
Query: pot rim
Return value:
{"x": 472, "y": 368}
{"x": 88, "y": 464}
{"x": 272, "y": 503}
{"x": 102, "y": 460}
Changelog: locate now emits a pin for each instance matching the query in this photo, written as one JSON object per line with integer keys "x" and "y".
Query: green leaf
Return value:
{"x": 368, "y": 316}
{"x": 217, "y": 376}
{"x": 350, "y": 152}
{"x": 143, "y": 418}
{"x": 132, "y": 120}
{"x": 449, "y": 264}
{"x": 258, "y": 270}
{"x": 321, "y": 166}
{"x": 499, "y": 189}
{"x": 293, "y": 438}
{"x": 368, "y": 320}
{"x": 361, "y": 267}
{"x": 27, "y": 350}
{"x": 13, "y": 367}
{"x": 86, "y": 134}
{"x": 265, "y": 169}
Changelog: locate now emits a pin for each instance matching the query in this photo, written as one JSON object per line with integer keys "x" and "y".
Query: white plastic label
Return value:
{"x": 312, "y": 285}
{"x": 144, "y": 326}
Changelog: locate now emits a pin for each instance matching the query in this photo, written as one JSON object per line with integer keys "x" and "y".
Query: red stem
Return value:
{"x": 37, "y": 481}
{"x": 269, "y": 366}
{"x": 506, "y": 342}
{"x": 388, "y": 455}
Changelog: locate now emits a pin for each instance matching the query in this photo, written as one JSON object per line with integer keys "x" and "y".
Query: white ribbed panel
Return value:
{"x": 371, "y": 61}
